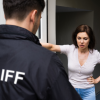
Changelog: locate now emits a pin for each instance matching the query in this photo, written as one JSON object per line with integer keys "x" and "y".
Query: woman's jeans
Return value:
{"x": 87, "y": 94}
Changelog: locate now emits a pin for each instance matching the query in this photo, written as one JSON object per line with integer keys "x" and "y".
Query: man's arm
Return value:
{"x": 60, "y": 89}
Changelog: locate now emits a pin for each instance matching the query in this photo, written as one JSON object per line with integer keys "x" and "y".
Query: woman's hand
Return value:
{"x": 91, "y": 80}
{"x": 51, "y": 47}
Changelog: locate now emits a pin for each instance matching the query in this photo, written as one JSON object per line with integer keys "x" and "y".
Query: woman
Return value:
{"x": 82, "y": 58}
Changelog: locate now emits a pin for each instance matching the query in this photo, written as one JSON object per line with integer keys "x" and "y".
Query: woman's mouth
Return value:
{"x": 81, "y": 45}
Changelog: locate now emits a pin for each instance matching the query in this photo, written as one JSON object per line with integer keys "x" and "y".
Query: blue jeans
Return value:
{"x": 87, "y": 94}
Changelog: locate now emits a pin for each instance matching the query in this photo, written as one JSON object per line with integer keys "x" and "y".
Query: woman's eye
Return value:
{"x": 85, "y": 38}
{"x": 79, "y": 38}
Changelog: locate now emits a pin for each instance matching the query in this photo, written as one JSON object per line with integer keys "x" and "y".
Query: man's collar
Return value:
{"x": 15, "y": 32}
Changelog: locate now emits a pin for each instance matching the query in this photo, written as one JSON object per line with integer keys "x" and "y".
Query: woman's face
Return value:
{"x": 83, "y": 40}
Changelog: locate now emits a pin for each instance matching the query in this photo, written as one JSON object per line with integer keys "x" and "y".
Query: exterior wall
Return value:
{"x": 52, "y": 21}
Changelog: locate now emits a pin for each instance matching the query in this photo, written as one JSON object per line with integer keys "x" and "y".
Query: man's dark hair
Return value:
{"x": 19, "y": 9}
{"x": 89, "y": 31}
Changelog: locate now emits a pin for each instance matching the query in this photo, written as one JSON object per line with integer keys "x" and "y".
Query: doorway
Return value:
{"x": 67, "y": 19}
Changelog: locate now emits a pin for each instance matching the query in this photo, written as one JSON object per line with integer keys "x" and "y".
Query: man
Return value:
{"x": 29, "y": 71}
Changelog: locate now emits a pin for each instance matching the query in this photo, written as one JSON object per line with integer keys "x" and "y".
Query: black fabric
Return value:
{"x": 98, "y": 96}
{"x": 39, "y": 72}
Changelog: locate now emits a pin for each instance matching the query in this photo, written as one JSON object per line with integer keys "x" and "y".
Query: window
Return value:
{"x": 42, "y": 31}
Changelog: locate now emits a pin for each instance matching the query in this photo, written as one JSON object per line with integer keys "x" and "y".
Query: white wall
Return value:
{"x": 2, "y": 19}
{"x": 52, "y": 21}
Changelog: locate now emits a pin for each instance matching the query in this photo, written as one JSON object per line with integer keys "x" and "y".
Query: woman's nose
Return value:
{"x": 82, "y": 40}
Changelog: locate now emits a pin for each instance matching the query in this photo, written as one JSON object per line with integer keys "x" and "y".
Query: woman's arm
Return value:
{"x": 97, "y": 80}
{"x": 51, "y": 47}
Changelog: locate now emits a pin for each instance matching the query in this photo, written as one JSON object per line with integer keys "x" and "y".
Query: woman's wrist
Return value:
{"x": 97, "y": 80}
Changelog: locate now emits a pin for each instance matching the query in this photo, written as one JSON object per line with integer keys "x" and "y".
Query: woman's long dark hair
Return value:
{"x": 89, "y": 31}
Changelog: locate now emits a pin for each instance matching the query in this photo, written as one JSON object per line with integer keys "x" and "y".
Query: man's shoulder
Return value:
{"x": 35, "y": 49}
{"x": 34, "y": 52}
{"x": 44, "y": 56}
